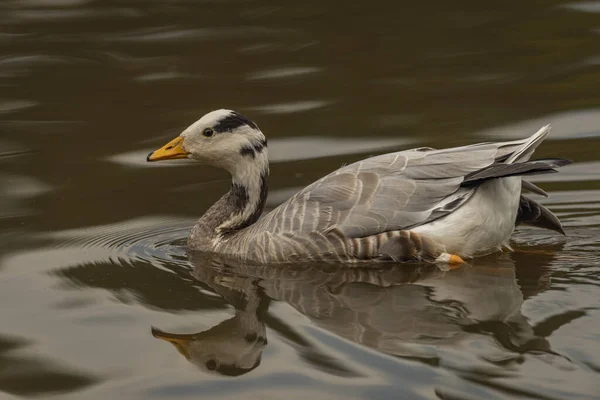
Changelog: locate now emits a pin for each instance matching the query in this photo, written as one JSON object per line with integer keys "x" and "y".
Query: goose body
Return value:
{"x": 413, "y": 205}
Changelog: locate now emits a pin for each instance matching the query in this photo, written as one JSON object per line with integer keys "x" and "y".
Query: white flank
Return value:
{"x": 483, "y": 224}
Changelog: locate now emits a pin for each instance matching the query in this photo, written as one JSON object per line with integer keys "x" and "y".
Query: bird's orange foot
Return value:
{"x": 453, "y": 260}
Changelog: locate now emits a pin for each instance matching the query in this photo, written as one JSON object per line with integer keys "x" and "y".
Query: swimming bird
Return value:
{"x": 421, "y": 204}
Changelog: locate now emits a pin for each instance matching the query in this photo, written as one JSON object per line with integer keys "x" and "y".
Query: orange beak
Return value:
{"x": 169, "y": 151}
{"x": 181, "y": 342}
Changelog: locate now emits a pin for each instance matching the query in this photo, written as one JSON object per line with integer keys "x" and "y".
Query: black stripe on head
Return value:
{"x": 251, "y": 337}
{"x": 233, "y": 121}
{"x": 259, "y": 145}
{"x": 254, "y": 148}
{"x": 248, "y": 151}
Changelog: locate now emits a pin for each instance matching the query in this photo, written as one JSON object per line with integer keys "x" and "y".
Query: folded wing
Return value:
{"x": 388, "y": 192}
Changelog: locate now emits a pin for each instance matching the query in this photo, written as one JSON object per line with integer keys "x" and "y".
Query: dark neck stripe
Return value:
{"x": 233, "y": 121}
{"x": 239, "y": 196}
{"x": 240, "y": 199}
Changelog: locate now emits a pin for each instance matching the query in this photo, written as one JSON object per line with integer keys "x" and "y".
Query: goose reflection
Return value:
{"x": 400, "y": 311}
{"x": 234, "y": 346}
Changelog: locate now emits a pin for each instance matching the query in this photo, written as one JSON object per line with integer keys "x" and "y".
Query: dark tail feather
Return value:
{"x": 530, "y": 187}
{"x": 534, "y": 214}
{"x": 501, "y": 170}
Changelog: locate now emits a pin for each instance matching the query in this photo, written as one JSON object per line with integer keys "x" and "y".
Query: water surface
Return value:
{"x": 99, "y": 298}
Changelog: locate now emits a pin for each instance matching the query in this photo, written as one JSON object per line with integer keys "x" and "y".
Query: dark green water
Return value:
{"x": 92, "y": 238}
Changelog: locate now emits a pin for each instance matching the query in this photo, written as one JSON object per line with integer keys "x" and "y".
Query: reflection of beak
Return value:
{"x": 180, "y": 341}
{"x": 169, "y": 151}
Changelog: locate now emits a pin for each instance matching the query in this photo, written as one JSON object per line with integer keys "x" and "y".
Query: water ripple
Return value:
{"x": 12, "y": 106}
{"x": 567, "y": 125}
{"x": 292, "y": 107}
{"x": 283, "y": 72}
{"x": 177, "y": 35}
{"x": 584, "y": 6}
{"x": 159, "y": 241}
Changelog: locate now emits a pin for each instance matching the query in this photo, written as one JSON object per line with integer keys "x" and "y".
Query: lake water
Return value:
{"x": 99, "y": 298}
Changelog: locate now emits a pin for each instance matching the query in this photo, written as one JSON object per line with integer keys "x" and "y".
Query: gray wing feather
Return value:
{"x": 388, "y": 192}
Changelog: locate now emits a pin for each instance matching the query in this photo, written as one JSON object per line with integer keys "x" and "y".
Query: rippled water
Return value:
{"x": 99, "y": 298}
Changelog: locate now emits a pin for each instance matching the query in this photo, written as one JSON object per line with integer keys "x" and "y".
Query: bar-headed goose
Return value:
{"x": 413, "y": 205}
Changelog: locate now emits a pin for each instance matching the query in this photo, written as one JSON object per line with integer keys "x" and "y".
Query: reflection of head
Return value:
{"x": 234, "y": 347}
{"x": 225, "y": 354}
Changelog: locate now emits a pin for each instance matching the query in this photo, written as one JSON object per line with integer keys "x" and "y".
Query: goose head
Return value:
{"x": 222, "y": 138}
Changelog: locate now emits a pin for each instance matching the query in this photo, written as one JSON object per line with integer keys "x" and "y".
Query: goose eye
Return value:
{"x": 211, "y": 365}
{"x": 208, "y": 132}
